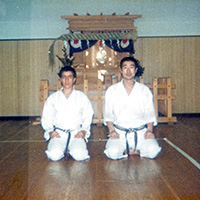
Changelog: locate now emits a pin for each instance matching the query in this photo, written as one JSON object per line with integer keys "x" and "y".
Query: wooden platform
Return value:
{"x": 26, "y": 173}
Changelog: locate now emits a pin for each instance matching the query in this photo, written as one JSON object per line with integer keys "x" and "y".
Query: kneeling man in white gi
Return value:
{"x": 130, "y": 115}
{"x": 66, "y": 119}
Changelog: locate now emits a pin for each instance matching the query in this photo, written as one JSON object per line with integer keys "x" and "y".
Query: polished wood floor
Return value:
{"x": 26, "y": 173}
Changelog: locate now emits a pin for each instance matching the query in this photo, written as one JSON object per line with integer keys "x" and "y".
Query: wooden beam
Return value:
{"x": 167, "y": 119}
{"x": 88, "y": 23}
{"x": 100, "y": 17}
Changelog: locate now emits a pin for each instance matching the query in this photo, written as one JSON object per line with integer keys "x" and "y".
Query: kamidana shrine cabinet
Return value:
{"x": 98, "y": 43}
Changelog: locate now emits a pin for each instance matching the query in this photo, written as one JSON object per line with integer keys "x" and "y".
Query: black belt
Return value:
{"x": 130, "y": 130}
{"x": 68, "y": 139}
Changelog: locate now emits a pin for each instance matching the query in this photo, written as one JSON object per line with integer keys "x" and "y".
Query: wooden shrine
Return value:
{"x": 98, "y": 27}
{"x": 108, "y": 27}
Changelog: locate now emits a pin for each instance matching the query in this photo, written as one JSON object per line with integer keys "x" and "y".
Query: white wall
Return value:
{"x": 33, "y": 19}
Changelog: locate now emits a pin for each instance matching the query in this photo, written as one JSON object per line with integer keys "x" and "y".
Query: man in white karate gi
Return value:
{"x": 66, "y": 119}
{"x": 130, "y": 115}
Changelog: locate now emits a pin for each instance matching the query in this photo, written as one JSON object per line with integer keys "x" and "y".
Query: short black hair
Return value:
{"x": 140, "y": 69}
{"x": 66, "y": 69}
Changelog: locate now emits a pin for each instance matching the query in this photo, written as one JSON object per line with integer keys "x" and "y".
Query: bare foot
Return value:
{"x": 134, "y": 152}
{"x": 67, "y": 153}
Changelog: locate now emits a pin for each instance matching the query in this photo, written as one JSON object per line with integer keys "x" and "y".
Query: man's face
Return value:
{"x": 128, "y": 70}
{"x": 67, "y": 79}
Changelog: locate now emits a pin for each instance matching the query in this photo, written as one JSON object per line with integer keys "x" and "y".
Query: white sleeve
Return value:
{"x": 86, "y": 115}
{"x": 108, "y": 109}
{"x": 150, "y": 114}
{"x": 48, "y": 116}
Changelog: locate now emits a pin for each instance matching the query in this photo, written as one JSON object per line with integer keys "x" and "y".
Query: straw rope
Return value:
{"x": 129, "y": 35}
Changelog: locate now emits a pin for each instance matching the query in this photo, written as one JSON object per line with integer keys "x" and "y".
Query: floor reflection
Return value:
{"x": 125, "y": 169}
{"x": 135, "y": 175}
{"x": 67, "y": 177}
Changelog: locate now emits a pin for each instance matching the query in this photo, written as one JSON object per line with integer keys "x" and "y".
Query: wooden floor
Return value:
{"x": 26, "y": 173}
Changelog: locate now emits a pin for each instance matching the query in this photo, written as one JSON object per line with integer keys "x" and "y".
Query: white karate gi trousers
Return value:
{"x": 77, "y": 148}
{"x": 148, "y": 148}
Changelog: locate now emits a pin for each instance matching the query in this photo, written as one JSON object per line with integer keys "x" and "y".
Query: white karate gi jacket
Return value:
{"x": 131, "y": 111}
{"x": 74, "y": 113}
